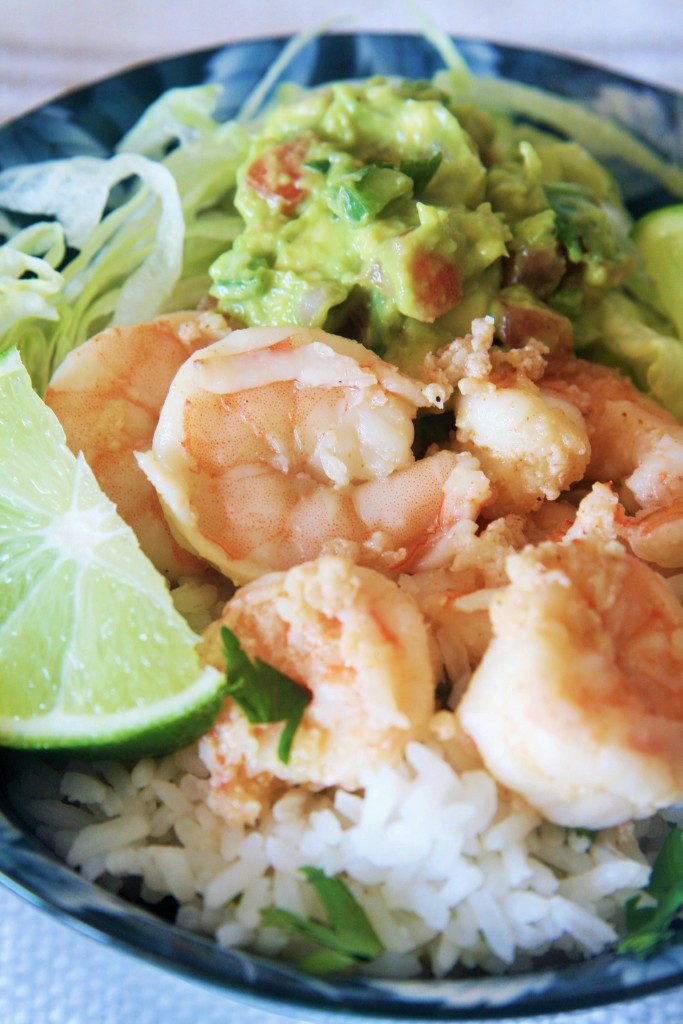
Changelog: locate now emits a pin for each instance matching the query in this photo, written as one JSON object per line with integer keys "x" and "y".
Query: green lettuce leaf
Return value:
{"x": 652, "y": 359}
{"x": 128, "y": 237}
{"x": 203, "y": 155}
{"x": 127, "y": 260}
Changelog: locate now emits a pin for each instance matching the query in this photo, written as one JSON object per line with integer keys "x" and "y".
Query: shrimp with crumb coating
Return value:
{"x": 277, "y": 445}
{"x": 531, "y": 444}
{"x": 654, "y": 536}
{"x": 455, "y": 600}
{"x": 359, "y": 645}
{"x": 107, "y": 394}
{"x": 637, "y": 446}
{"x": 577, "y": 703}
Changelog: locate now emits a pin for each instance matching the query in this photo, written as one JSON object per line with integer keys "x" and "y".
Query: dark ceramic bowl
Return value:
{"x": 90, "y": 121}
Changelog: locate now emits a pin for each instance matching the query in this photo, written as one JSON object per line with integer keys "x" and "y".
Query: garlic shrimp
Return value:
{"x": 359, "y": 645}
{"x": 634, "y": 443}
{"x": 577, "y": 703}
{"x": 276, "y": 445}
{"x": 107, "y": 394}
{"x": 531, "y": 444}
{"x": 455, "y": 600}
{"x": 637, "y": 446}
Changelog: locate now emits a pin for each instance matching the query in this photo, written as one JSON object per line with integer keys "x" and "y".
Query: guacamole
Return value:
{"x": 388, "y": 213}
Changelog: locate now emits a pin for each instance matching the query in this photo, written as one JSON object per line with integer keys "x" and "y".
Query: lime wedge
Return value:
{"x": 659, "y": 237}
{"x": 93, "y": 655}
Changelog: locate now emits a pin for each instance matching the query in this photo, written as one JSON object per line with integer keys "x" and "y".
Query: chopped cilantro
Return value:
{"x": 585, "y": 833}
{"x": 346, "y": 939}
{"x": 582, "y": 223}
{"x": 365, "y": 193}
{"x": 321, "y": 166}
{"x": 262, "y": 692}
{"x": 650, "y": 914}
{"x": 421, "y": 171}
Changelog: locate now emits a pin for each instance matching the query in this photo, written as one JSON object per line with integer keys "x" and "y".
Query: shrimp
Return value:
{"x": 359, "y": 645}
{"x": 455, "y": 600}
{"x": 577, "y": 704}
{"x": 656, "y": 535}
{"x": 107, "y": 394}
{"x": 634, "y": 443}
{"x": 276, "y": 445}
{"x": 532, "y": 445}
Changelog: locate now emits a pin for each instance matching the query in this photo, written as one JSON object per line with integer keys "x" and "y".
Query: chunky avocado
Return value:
{"x": 384, "y": 212}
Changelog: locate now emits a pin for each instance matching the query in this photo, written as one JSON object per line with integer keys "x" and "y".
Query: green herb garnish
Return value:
{"x": 648, "y": 926}
{"x": 365, "y": 193}
{"x": 320, "y": 166}
{"x": 262, "y": 692}
{"x": 368, "y": 191}
{"x": 585, "y": 833}
{"x": 346, "y": 939}
{"x": 421, "y": 171}
{"x": 582, "y": 223}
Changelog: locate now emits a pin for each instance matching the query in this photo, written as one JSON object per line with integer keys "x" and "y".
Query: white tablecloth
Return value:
{"x": 49, "y": 974}
{"x": 46, "y": 46}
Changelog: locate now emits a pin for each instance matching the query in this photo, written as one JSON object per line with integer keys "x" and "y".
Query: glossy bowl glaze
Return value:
{"x": 91, "y": 121}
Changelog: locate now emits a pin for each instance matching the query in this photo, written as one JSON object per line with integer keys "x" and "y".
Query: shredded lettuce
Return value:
{"x": 203, "y": 156}
{"x": 129, "y": 237}
{"x": 255, "y": 103}
{"x": 29, "y": 282}
{"x": 127, "y": 261}
{"x": 598, "y": 134}
{"x": 459, "y": 75}
{"x": 177, "y": 116}
{"x": 654, "y": 360}
{"x": 125, "y": 238}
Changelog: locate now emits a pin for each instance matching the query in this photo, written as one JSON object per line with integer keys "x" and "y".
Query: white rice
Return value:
{"x": 452, "y": 872}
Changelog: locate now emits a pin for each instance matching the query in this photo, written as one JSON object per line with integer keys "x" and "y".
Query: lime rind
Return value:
{"x": 162, "y": 727}
{"x": 93, "y": 654}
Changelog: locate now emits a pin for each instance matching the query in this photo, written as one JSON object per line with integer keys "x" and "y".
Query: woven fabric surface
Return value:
{"x": 51, "y": 974}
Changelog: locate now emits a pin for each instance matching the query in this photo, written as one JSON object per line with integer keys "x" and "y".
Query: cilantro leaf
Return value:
{"x": 326, "y": 961}
{"x": 649, "y": 925}
{"x": 320, "y": 166}
{"x": 364, "y": 193}
{"x": 263, "y": 693}
{"x": 347, "y": 938}
{"x": 582, "y": 223}
{"x": 421, "y": 171}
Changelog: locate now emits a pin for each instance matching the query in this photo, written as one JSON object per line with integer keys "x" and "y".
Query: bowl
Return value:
{"x": 90, "y": 121}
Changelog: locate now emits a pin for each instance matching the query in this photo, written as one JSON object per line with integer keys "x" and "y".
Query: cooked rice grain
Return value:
{"x": 450, "y": 870}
